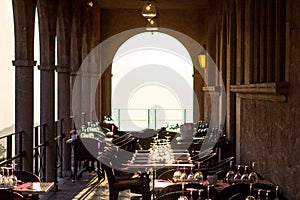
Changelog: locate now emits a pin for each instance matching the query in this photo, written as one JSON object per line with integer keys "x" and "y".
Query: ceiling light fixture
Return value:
{"x": 149, "y": 11}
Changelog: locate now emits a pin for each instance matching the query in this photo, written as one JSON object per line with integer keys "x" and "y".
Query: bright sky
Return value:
{"x": 151, "y": 71}
{"x": 7, "y": 80}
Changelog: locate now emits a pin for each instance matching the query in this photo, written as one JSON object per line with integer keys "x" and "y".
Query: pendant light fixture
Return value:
{"x": 149, "y": 10}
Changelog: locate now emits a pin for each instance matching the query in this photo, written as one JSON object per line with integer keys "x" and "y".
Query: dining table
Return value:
{"x": 34, "y": 188}
{"x": 140, "y": 162}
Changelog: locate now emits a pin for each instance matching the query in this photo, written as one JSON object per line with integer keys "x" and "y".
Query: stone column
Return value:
{"x": 76, "y": 52}
{"x": 63, "y": 69}
{"x": 24, "y": 12}
{"x": 47, "y": 26}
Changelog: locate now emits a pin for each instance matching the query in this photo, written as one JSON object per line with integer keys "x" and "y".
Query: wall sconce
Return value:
{"x": 90, "y": 3}
{"x": 202, "y": 59}
{"x": 149, "y": 11}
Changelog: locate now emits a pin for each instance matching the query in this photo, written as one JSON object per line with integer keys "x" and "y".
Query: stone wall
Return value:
{"x": 267, "y": 123}
{"x": 270, "y": 131}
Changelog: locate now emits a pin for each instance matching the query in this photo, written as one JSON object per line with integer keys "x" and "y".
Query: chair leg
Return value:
{"x": 116, "y": 195}
{"x": 146, "y": 195}
{"x": 75, "y": 170}
{"x": 113, "y": 195}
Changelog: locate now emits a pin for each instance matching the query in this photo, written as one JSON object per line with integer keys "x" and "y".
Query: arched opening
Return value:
{"x": 152, "y": 82}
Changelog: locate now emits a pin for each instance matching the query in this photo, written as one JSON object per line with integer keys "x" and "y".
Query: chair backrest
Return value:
{"x": 26, "y": 176}
{"x": 129, "y": 144}
{"x": 235, "y": 191}
{"x": 10, "y": 195}
{"x": 82, "y": 153}
{"x": 123, "y": 137}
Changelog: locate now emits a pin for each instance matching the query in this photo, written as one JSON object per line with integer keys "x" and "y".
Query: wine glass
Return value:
{"x": 237, "y": 176}
{"x": 253, "y": 178}
{"x": 245, "y": 177}
{"x": 4, "y": 180}
{"x": 258, "y": 194}
{"x": 267, "y": 194}
{"x": 208, "y": 188}
{"x": 182, "y": 197}
{"x": 277, "y": 188}
{"x": 177, "y": 174}
{"x": 250, "y": 197}
{"x": 10, "y": 181}
{"x": 190, "y": 177}
{"x": 230, "y": 174}
{"x": 199, "y": 194}
{"x": 191, "y": 192}
{"x": 13, "y": 176}
{"x": 198, "y": 177}
{"x": 183, "y": 176}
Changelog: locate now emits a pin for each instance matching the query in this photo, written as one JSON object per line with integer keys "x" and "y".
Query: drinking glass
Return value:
{"x": 267, "y": 194}
{"x": 190, "y": 177}
{"x": 10, "y": 181}
{"x": 230, "y": 174}
{"x": 198, "y": 177}
{"x": 245, "y": 177}
{"x": 250, "y": 197}
{"x": 183, "y": 176}
{"x": 253, "y": 178}
{"x": 1, "y": 175}
{"x": 182, "y": 197}
{"x": 13, "y": 176}
{"x": 237, "y": 176}
{"x": 258, "y": 195}
{"x": 4, "y": 177}
{"x": 177, "y": 174}
{"x": 277, "y": 188}
{"x": 208, "y": 188}
{"x": 191, "y": 192}
{"x": 199, "y": 194}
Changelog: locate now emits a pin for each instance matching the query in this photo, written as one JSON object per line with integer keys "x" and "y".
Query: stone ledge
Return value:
{"x": 273, "y": 91}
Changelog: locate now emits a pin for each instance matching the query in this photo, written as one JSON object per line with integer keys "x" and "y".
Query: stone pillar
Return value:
{"x": 76, "y": 51}
{"x": 24, "y": 15}
{"x": 47, "y": 27}
{"x": 63, "y": 69}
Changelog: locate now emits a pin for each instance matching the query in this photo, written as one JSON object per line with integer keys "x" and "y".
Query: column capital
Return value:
{"x": 23, "y": 63}
{"x": 63, "y": 69}
{"x": 47, "y": 67}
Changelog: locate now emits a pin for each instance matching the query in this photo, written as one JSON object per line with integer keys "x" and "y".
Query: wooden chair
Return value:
{"x": 81, "y": 153}
{"x": 26, "y": 176}
{"x": 116, "y": 185}
{"x": 235, "y": 191}
{"x": 10, "y": 195}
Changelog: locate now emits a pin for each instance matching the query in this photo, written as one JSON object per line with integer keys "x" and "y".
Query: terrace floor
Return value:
{"x": 86, "y": 188}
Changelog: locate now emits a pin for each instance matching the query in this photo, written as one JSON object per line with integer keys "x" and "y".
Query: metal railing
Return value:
{"x": 40, "y": 147}
{"x": 9, "y": 147}
{"x": 59, "y": 136}
{"x": 152, "y": 118}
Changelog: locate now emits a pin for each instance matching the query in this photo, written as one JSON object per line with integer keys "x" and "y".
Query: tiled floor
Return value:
{"x": 86, "y": 188}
